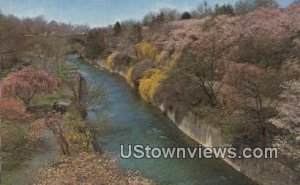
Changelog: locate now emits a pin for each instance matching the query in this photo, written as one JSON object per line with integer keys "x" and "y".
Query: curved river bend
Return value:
{"x": 136, "y": 122}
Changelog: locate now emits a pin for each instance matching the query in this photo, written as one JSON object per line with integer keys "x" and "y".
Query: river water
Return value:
{"x": 136, "y": 122}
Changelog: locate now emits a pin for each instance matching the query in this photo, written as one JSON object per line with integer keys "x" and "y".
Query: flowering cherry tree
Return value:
{"x": 252, "y": 91}
{"x": 12, "y": 109}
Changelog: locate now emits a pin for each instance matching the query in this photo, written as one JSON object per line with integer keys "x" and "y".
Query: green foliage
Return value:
{"x": 150, "y": 83}
{"x": 44, "y": 101}
{"x": 72, "y": 123}
{"x": 63, "y": 74}
{"x": 78, "y": 131}
{"x": 14, "y": 149}
{"x": 13, "y": 136}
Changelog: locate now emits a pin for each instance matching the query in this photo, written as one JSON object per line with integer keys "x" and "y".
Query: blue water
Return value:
{"x": 136, "y": 122}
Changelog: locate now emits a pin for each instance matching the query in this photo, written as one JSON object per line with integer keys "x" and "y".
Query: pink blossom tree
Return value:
{"x": 27, "y": 83}
{"x": 12, "y": 109}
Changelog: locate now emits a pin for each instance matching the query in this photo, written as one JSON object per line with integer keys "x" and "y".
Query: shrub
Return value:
{"x": 78, "y": 131}
{"x": 175, "y": 58}
{"x": 27, "y": 83}
{"x": 242, "y": 132}
{"x": 12, "y": 109}
{"x": 63, "y": 74}
{"x": 147, "y": 50}
{"x": 36, "y": 133}
{"x": 129, "y": 75}
{"x": 111, "y": 59}
{"x": 118, "y": 61}
{"x": 72, "y": 123}
{"x": 179, "y": 93}
{"x": 8, "y": 62}
{"x": 161, "y": 58}
{"x": 136, "y": 72}
{"x": 150, "y": 83}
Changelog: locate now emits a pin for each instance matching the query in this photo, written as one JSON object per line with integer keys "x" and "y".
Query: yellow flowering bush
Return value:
{"x": 147, "y": 50}
{"x": 161, "y": 58}
{"x": 150, "y": 83}
{"x": 111, "y": 60}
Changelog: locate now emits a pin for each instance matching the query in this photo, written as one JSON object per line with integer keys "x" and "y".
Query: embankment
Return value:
{"x": 263, "y": 171}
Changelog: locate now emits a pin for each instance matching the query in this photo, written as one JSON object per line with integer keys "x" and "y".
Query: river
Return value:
{"x": 136, "y": 122}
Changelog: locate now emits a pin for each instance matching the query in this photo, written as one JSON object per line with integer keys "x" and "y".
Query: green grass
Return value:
{"x": 47, "y": 101}
{"x": 14, "y": 151}
{"x": 63, "y": 74}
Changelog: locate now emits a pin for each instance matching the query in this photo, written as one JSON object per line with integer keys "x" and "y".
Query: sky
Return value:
{"x": 97, "y": 13}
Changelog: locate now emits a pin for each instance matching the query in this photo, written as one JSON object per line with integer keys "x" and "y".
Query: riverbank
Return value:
{"x": 18, "y": 168}
{"x": 134, "y": 121}
{"x": 263, "y": 171}
{"x": 21, "y": 158}
{"x": 47, "y": 154}
{"x": 84, "y": 165}
{"x": 41, "y": 162}
{"x": 87, "y": 167}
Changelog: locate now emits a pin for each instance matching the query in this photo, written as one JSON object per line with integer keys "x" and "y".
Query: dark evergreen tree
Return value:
{"x": 117, "y": 28}
{"x": 186, "y": 15}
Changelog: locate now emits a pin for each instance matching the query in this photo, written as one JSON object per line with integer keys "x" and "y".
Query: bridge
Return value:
{"x": 77, "y": 37}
